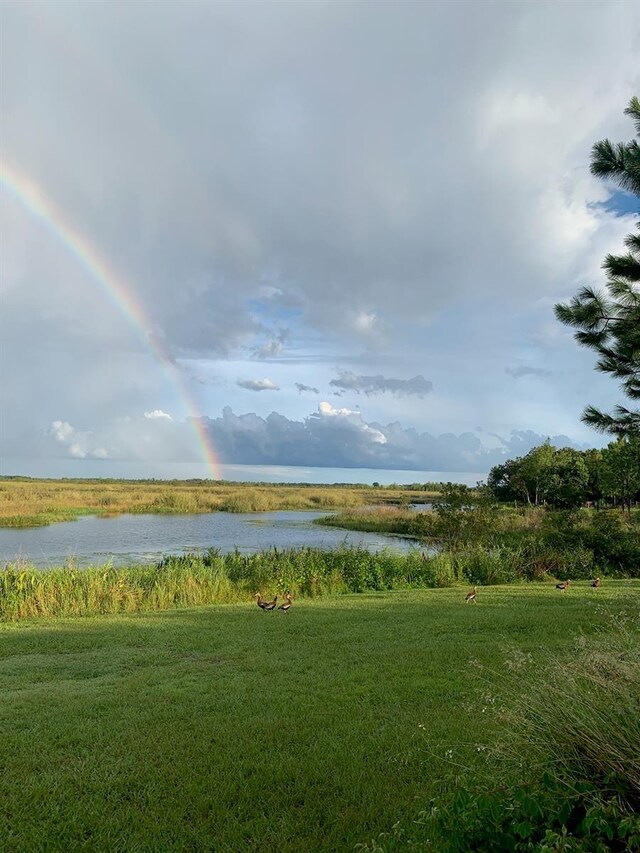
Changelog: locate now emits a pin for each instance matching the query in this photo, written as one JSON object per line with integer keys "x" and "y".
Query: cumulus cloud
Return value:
{"x": 257, "y": 384}
{"x": 340, "y": 437}
{"x": 418, "y": 386}
{"x": 158, "y": 414}
{"x": 302, "y": 387}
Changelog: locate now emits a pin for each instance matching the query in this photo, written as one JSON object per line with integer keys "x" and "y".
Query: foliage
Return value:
{"x": 620, "y": 465}
{"x": 566, "y": 478}
{"x": 609, "y": 323}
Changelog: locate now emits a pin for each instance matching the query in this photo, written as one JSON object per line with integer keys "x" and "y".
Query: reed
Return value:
{"x": 28, "y": 503}
{"x": 211, "y": 578}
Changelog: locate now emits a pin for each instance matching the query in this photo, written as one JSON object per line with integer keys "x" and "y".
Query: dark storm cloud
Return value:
{"x": 418, "y": 386}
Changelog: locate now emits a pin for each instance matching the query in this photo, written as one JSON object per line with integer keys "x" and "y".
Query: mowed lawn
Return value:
{"x": 228, "y": 729}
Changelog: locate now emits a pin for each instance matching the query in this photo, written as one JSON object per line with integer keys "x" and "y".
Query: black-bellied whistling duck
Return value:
{"x": 270, "y": 605}
{"x": 260, "y": 601}
{"x": 472, "y": 595}
{"x": 563, "y": 585}
{"x": 596, "y": 583}
{"x": 286, "y": 605}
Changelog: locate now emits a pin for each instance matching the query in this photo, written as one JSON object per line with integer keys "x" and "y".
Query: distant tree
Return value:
{"x": 621, "y": 470}
{"x": 609, "y": 323}
{"x": 567, "y": 481}
{"x": 545, "y": 475}
{"x": 536, "y": 470}
{"x": 593, "y": 461}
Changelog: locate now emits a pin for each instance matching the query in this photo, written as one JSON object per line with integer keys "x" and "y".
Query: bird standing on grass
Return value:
{"x": 596, "y": 583}
{"x": 563, "y": 585}
{"x": 269, "y": 606}
{"x": 472, "y": 595}
{"x": 260, "y": 601}
{"x": 286, "y": 605}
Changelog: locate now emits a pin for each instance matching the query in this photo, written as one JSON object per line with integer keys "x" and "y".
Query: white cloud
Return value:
{"x": 158, "y": 414}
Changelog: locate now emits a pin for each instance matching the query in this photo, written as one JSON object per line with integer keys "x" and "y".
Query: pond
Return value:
{"x": 128, "y": 539}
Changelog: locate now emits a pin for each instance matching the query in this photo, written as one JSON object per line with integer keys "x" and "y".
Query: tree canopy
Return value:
{"x": 609, "y": 322}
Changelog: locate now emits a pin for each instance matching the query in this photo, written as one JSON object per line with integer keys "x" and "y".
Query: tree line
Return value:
{"x": 566, "y": 478}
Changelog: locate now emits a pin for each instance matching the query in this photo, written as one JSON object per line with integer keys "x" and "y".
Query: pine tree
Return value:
{"x": 609, "y": 322}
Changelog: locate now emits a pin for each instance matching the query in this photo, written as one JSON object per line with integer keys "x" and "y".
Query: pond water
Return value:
{"x": 128, "y": 539}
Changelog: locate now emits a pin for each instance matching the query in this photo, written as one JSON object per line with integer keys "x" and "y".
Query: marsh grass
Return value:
{"x": 29, "y": 503}
{"x": 224, "y": 728}
{"x": 211, "y": 578}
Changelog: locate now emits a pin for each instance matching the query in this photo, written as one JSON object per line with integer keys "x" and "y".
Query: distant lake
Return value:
{"x": 128, "y": 539}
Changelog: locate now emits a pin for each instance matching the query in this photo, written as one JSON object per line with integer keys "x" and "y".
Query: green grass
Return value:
{"x": 224, "y": 728}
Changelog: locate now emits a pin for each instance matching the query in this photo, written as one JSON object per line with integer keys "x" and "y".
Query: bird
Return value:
{"x": 596, "y": 583}
{"x": 563, "y": 585}
{"x": 472, "y": 595}
{"x": 269, "y": 606}
{"x": 286, "y": 606}
{"x": 260, "y": 601}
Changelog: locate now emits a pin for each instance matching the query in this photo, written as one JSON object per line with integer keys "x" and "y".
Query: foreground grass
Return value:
{"x": 225, "y": 728}
{"x": 29, "y": 503}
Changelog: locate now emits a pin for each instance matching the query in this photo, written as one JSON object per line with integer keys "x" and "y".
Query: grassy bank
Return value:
{"x": 498, "y": 544}
{"x": 28, "y": 503}
{"x": 224, "y": 728}
{"x": 212, "y": 578}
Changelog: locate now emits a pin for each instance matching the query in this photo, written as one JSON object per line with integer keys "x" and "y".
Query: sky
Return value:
{"x": 302, "y": 233}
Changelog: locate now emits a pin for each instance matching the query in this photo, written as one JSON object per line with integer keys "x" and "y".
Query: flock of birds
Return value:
{"x": 470, "y": 597}
{"x": 270, "y": 606}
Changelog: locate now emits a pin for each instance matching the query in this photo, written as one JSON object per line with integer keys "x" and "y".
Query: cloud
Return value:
{"x": 340, "y": 437}
{"x": 371, "y": 385}
{"x": 80, "y": 445}
{"x": 157, "y": 414}
{"x": 301, "y": 387}
{"x": 257, "y": 384}
{"x": 526, "y": 370}
{"x": 395, "y": 208}
{"x": 273, "y": 346}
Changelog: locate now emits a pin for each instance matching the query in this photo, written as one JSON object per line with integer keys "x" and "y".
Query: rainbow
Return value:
{"x": 41, "y": 207}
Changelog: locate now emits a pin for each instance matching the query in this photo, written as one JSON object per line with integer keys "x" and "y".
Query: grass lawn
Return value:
{"x": 228, "y": 729}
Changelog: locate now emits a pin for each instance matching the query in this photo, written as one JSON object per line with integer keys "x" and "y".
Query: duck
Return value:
{"x": 260, "y": 601}
{"x": 269, "y": 606}
{"x": 286, "y": 605}
{"x": 472, "y": 595}
{"x": 596, "y": 583}
{"x": 563, "y": 585}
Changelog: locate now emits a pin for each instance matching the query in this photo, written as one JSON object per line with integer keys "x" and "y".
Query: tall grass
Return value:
{"x": 28, "y": 503}
{"x": 212, "y": 578}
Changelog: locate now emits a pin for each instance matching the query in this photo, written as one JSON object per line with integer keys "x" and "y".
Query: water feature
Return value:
{"x": 128, "y": 539}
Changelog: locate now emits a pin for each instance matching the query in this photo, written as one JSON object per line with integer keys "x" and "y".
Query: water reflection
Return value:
{"x": 128, "y": 539}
